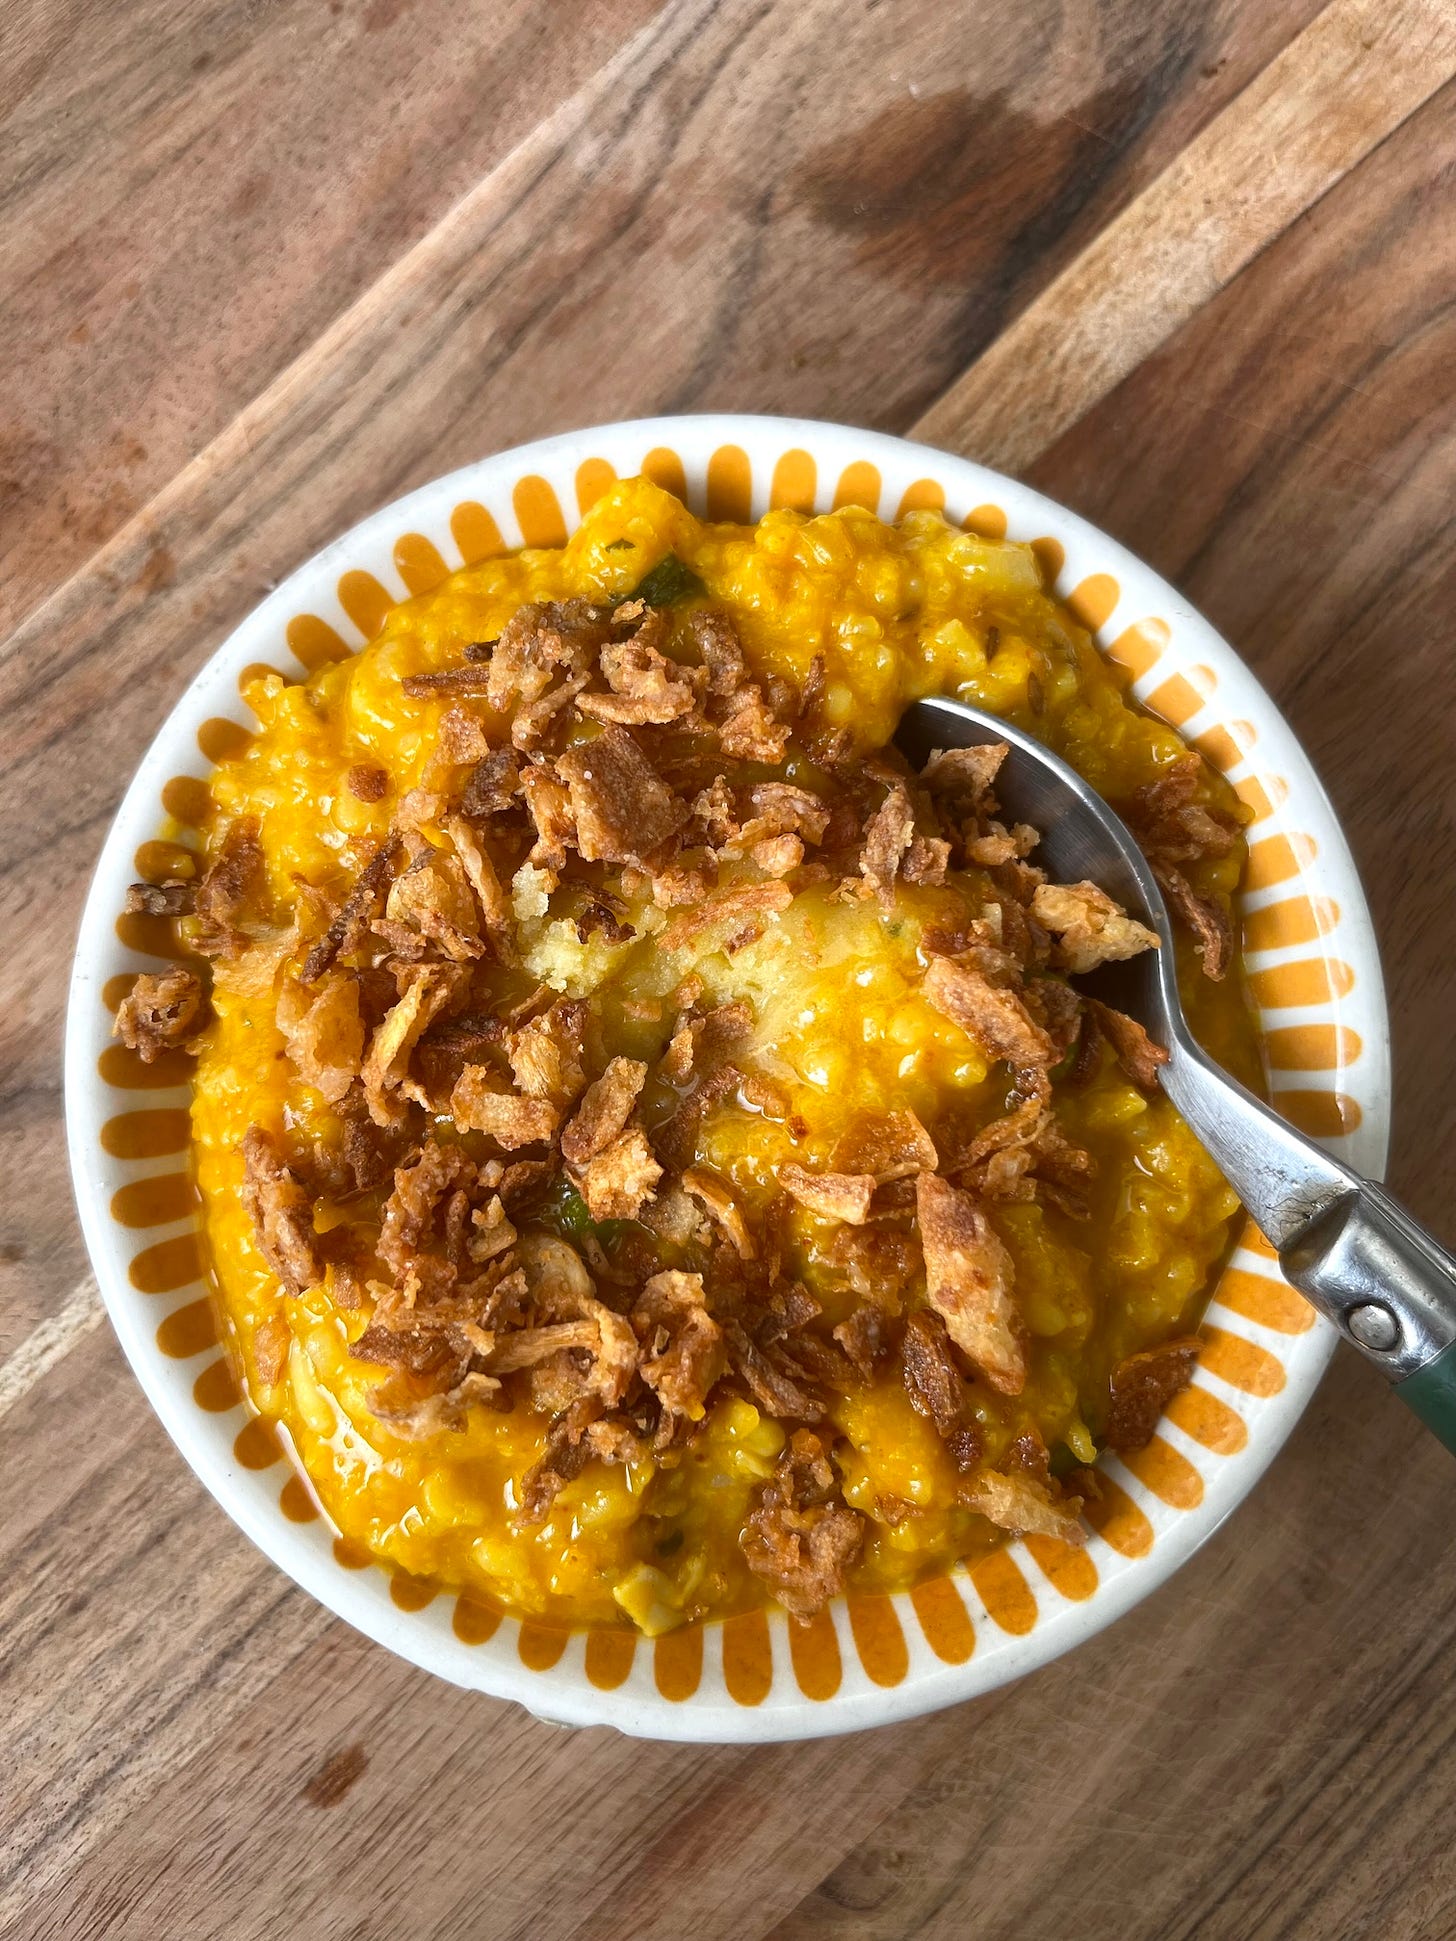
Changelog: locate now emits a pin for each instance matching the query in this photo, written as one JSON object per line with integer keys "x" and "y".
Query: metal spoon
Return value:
{"x": 1341, "y": 1240}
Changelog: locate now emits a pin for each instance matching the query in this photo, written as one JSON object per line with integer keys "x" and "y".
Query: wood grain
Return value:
{"x": 1308, "y": 514}
{"x": 371, "y": 241}
{"x": 192, "y": 194}
{"x": 682, "y": 191}
{"x": 1334, "y": 94}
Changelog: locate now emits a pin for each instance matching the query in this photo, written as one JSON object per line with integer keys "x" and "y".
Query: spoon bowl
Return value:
{"x": 1082, "y": 841}
{"x": 1341, "y": 1240}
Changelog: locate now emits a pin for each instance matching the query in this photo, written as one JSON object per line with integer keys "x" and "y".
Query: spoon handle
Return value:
{"x": 1392, "y": 1290}
{"x": 1348, "y": 1247}
{"x": 1431, "y": 1393}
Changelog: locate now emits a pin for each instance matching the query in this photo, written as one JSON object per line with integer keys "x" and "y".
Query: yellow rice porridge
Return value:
{"x": 656, "y": 1153}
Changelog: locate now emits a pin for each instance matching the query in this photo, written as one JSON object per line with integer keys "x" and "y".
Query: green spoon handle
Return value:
{"x": 1387, "y": 1285}
{"x": 1350, "y": 1249}
{"x": 1431, "y": 1393}
{"x": 1390, "y": 1288}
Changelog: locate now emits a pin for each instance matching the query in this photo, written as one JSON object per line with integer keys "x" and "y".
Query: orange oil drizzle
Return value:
{"x": 1176, "y": 699}
{"x": 1261, "y": 793}
{"x": 149, "y": 936}
{"x": 115, "y": 989}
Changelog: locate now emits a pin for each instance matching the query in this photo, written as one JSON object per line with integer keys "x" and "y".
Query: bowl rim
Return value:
{"x": 564, "y": 1694}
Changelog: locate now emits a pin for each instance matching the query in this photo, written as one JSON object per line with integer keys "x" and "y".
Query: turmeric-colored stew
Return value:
{"x": 655, "y": 1154}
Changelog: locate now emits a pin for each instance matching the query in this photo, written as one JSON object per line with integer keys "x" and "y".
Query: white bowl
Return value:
{"x": 1315, "y": 973}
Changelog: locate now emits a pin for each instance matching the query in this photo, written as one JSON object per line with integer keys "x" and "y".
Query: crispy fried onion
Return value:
{"x": 509, "y": 1212}
{"x": 802, "y": 1537}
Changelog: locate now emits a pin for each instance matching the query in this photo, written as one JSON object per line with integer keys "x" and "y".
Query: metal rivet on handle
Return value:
{"x": 1373, "y": 1326}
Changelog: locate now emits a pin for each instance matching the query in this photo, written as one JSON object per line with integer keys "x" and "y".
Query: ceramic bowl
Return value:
{"x": 1314, "y": 973}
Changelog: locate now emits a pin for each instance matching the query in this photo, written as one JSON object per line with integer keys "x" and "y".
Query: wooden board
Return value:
{"x": 264, "y": 267}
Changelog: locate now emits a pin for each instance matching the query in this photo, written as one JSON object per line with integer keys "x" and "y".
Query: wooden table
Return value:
{"x": 266, "y": 264}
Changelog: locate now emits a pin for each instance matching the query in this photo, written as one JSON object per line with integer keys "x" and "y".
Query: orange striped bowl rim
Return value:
{"x": 1314, "y": 973}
